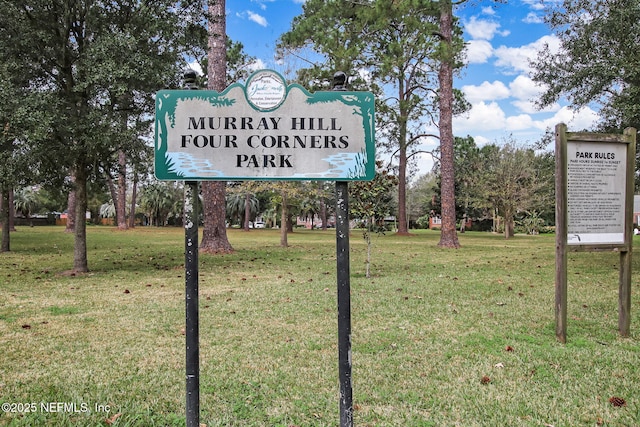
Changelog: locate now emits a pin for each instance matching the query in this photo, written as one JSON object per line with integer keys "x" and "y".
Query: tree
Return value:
{"x": 420, "y": 197}
{"x": 21, "y": 123}
{"x": 510, "y": 181}
{"x": 95, "y": 60}
{"x": 242, "y": 205}
{"x": 287, "y": 192}
{"x": 448, "y": 56}
{"x": 370, "y": 202}
{"x": 397, "y": 43}
{"x": 26, "y": 202}
{"x": 158, "y": 201}
{"x": 467, "y": 164}
{"x": 596, "y": 61}
{"x": 336, "y": 32}
{"x": 214, "y": 236}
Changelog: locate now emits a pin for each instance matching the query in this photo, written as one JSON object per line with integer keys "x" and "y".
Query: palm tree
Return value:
{"x": 25, "y": 201}
{"x": 157, "y": 200}
{"x": 309, "y": 208}
{"x": 241, "y": 205}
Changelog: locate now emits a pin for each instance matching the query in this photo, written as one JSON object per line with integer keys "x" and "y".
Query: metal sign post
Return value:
{"x": 191, "y": 270}
{"x": 343, "y": 276}
{"x": 191, "y": 303}
{"x": 344, "y": 303}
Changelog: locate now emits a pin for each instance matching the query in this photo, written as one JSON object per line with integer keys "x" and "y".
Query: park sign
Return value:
{"x": 264, "y": 129}
{"x": 594, "y": 209}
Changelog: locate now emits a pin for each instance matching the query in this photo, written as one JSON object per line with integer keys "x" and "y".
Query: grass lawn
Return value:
{"x": 440, "y": 337}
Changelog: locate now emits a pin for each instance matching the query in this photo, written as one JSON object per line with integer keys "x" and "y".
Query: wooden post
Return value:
{"x": 624, "y": 292}
{"x": 561, "y": 233}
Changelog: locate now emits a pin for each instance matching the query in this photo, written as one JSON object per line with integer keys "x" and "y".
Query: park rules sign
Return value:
{"x": 265, "y": 129}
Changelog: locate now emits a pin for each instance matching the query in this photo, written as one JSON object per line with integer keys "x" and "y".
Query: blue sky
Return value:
{"x": 501, "y": 40}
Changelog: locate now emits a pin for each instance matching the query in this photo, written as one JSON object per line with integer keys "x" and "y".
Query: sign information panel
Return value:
{"x": 596, "y": 192}
{"x": 264, "y": 130}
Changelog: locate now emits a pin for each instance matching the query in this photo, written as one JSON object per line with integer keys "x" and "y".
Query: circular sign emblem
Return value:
{"x": 266, "y": 90}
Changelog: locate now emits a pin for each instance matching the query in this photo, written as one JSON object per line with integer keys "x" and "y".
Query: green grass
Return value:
{"x": 427, "y": 327}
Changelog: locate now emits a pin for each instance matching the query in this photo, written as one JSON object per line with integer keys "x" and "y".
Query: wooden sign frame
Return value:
{"x": 587, "y": 181}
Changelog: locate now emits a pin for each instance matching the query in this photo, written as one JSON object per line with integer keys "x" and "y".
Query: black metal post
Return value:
{"x": 191, "y": 303}
{"x": 344, "y": 303}
{"x": 344, "y": 290}
{"x": 192, "y": 333}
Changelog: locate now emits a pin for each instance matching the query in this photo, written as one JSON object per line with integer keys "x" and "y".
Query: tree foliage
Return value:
{"x": 98, "y": 64}
{"x": 398, "y": 46}
{"x": 370, "y": 202}
{"x": 501, "y": 179}
{"x": 597, "y": 60}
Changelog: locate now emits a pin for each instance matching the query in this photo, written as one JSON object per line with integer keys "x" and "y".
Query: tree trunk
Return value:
{"x": 113, "y": 192}
{"x": 508, "y": 224}
{"x": 448, "y": 233}
{"x": 403, "y": 228}
{"x": 12, "y": 212}
{"x": 284, "y": 215}
{"x": 247, "y": 211}
{"x": 214, "y": 235}
{"x": 71, "y": 207}
{"x": 402, "y": 192}
{"x": 134, "y": 195}
{"x": 80, "y": 264}
{"x": 121, "y": 205}
{"x": 4, "y": 218}
{"x": 323, "y": 213}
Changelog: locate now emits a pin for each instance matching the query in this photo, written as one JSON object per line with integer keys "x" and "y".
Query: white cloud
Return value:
{"x": 488, "y": 11}
{"x": 517, "y": 58}
{"x": 256, "y": 65}
{"x": 524, "y": 88}
{"x": 483, "y": 29}
{"x": 519, "y": 122}
{"x": 478, "y": 51}
{"x": 530, "y": 107}
{"x": 534, "y": 4}
{"x": 533, "y": 18}
{"x": 481, "y": 140}
{"x": 195, "y": 66}
{"x": 526, "y": 92}
{"x": 262, "y": 3}
{"x": 482, "y": 117}
{"x": 576, "y": 121}
{"x": 258, "y": 19}
{"x": 485, "y": 92}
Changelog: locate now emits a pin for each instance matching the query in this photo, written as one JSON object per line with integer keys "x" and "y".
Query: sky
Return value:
{"x": 501, "y": 39}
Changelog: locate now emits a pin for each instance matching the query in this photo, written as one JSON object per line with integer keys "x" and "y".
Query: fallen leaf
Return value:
{"x": 127, "y": 291}
{"x": 499, "y": 365}
{"x": 617, "y": 401}
{"x": 25, "y": 326}
{"x": 113, "y": 419}
{"x": 485, "y": 380}
{"x": 508, "y": 348}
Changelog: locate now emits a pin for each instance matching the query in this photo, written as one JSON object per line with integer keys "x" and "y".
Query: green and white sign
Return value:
{"x": 264, "y": 130}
